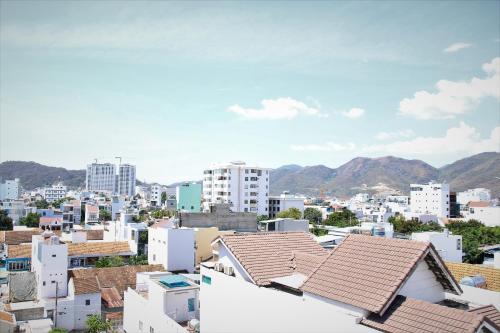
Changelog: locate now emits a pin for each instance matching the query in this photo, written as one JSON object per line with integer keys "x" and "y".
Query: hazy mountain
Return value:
{"x": 387, "y": 174}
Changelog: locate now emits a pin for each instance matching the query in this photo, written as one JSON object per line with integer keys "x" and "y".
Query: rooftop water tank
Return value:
{"x": 477, "y": 281}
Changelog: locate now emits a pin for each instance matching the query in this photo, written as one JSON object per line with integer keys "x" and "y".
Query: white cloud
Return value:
{"x": 281, "y": 108}
{"x": 354, "y": 113}
{"x": 406, "y": 133}
{"x": 329, "y": 146}
{"x": 457, "y": 47}
{"x": 462, "y": 139}
{"x": 453, "y": 98}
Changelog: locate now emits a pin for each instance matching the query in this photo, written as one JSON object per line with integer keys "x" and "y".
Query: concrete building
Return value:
{"x": 302, "y": 288}
{"x": 448, "y": 246}
{"x": 101, "y": 177}
{"x": 285, "y": 224}
{"x": 430, "y": 198}
{"x": 203, "y": 242}
{"x": 221, "y": 217}
{"x": 125, "y": 229}
{"x": 55, "y": 192}
{"x": 283, "y": 202}
{"x": 126, "y": 180}
{"x": 171, "y": 247}
{"x": 189, "y": 197}
{"x": 72, "y": 212}
{"x": 483, "y": 212}
{"x": 156, "y": 194}
{"x": 91, "y": 214}
{"x": 10, "y": 189}
{"x": 476, "y": 194}
{"x": 244, "y": 188}
{"x": 161, "y": 302}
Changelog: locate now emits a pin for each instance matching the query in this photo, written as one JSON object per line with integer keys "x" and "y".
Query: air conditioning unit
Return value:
{"x": 228, "y": 270}
{"x": 219, "y": 267}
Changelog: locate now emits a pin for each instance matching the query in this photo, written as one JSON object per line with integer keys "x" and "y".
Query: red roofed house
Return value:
{"x": 285, "y": 282}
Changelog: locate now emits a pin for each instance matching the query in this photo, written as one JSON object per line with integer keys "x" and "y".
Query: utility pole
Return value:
{"x": 55, "y": 314}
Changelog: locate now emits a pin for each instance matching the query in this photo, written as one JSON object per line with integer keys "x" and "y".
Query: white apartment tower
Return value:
{"x": 245, "y": 188}
{"x": 54, "y": 193}
{"x": 10, "y": 189}
{"x": 101, "y": 177}
{"x": 126, "y": 180}
{"x": 430, "y": 198}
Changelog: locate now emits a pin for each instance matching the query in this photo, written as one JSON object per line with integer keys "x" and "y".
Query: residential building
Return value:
{"x": 126, "y": 180}
{"x": 203, "y": 242}
{"x": 244, "y": 188}
{"x": 284, "y": 224}
{"x": 476, "y": 194}
{"x": 189, "y": 197}
{"x": 432, "y": 198}
{"x": 283, "y": 202}
{"x": 125, "y": 229}
{"x": 482, "y": 211}
{"x": 171, "y": 247}
{"x": 448, "y": 246}
{"x": 72, "y": 211}
{"x": 367, "y": 284}
{"x": 156, "y": 194}
{"x": 101, "y": 177}
{"x": 91, "y": 214}
{"x": 16, "y": 209}
{"x": 221, "y": 217}
{"x": 10, "y": 189}
{"x": 172, "y": 301}
{"x": 55, "y": 192}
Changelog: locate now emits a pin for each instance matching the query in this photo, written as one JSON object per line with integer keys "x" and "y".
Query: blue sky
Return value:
{"x": 174, "y": 87}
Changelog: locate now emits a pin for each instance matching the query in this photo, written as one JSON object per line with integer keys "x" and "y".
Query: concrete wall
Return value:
{"x": 81, "y": 309}
{"x": 172, "y": 248}
{"x": 222, "y": 219}
{"x": 423, "y": 285}
{"x": 203, "y": 239}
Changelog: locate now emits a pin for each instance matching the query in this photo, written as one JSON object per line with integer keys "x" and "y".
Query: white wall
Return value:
{"x": 490, "y": 216}
{"x": 430, "y": 199}
{"x": 81, "y": 309}
{"x": 423, "y": 285}
{"x": 172, "y": 248}
{"x": 448, "y": 246}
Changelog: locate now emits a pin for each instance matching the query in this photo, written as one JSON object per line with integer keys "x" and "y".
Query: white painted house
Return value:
{"x": 431, "y": 198}
{"x": 10, "y": 189}
{"x": 55, "y": 192}
{"x": 476, "y": 194}
{"x": 172, "y": 247}
{"x": 358, "y": 287}
{"x": 448, "y": 246}
{"x": 284, "y": 201}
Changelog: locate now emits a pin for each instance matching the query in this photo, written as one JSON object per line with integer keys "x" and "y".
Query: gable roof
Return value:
{"x": 77, "y": 249}
{"x": 267, "y": 255}
{"x": 478, "y": 204}
{"x": 367, "y": 272}
{"x": 408, "y": 315}
{"x": 111, "y": 297}
{"x": 490, "y": 312}
{"x": 16, "y": 237}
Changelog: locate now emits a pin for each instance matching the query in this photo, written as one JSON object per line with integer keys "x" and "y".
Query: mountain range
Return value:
{"x": 374, "y": 175}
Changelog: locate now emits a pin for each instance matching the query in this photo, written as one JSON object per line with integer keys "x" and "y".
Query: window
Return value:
{"x": 206, "y": 279}
{"x": 459, "y": 244}
{"x": 140, "y": 325}
{"x": 53, "y": 256}
{"x": 151, "y": 330}
{"x": 190, "y": 304}
{"x": 154, "y": 257}
{"x": 87, "y": 302}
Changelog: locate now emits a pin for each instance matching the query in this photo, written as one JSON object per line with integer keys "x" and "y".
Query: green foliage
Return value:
{"x": 59, "y": 202}
{"x": 293, "y": 213}
{"x": 96, "y": 325}
{"x": 319, "y": 231}
{"x": 143, "y": 236}
{"x": 344, "y": 218}
{"x": 32, "y": 220}
{"x": 474, "y": 235}
{"x": 109, "y": 262}
{"x": 163, "y": 197}
{"x": 262, "y": 218}
{"x": 5, "y": 221}
{"x": 138, "y": 260}
{"x": 42, "y": 204}
{"x": 104, "y": 215}
{"x": 313, "y": 215}
{"x": 161, "y": 213}
{"x": 404, "y": 226}
{"x": 58, "y": 330}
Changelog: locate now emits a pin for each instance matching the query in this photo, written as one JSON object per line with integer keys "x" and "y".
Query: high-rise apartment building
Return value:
{"x": 101, "y": 177}
{"x": 245, "y": 188}
{"x": 430, "y": 198}
{"x": 126, "y": 180}
{"x": 10, "y": 189}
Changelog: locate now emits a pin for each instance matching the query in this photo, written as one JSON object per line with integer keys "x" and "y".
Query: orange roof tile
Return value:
{"x": 15, "y": 237}
{"x": 367, "y": 271}
{"x": 490, "y": 312}
{"x": 407, "y": 315}
{"x": 77, "y": 249}
{"x": 267, "y": 255}
{"x": 6, "y": 316}
{"x": 111, "y": 297}
{"x": 478, "y": 204}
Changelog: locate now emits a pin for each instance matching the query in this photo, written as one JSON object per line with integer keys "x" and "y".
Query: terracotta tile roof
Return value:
{"x": 77, "y": 249}
{"x": 306, "y": 263}
{"x": 91, "y": 209}
{"x": 408, "y": 315}
{"x": 366, "y": 271}
{"x": 111, "y": 297}
{"x": 8, "y": 317}
{"x": 490, "y": 312}
{"x": 95, "y": 234}
{"x": 113, "y": 277}
{"x": 267, "y": 255}
{"x": 478, "y": 204}
{"x": 48, "y": 220}
{"x": 15, "y": 237}
{"x": 88, "y": 285}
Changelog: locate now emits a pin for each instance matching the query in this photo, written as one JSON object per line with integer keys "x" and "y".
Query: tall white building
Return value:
{"x": 126, "y": 180}
{"x": 283, "y": 202}
{"x": 101, "y": 177}
{"x": 476, "y": 194}
{"x": 245, "y": 188}
{"x": 156, "y": 192}
{"x": 10, "y": 190}
{"x": 56, "y": 192}
{"x": 430, "y": 198}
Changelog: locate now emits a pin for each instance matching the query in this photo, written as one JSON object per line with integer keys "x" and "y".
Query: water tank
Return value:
{"x": 379, "y": 231}
{"x": 477, "y": 281}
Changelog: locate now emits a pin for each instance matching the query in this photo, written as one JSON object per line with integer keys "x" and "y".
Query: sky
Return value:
{"x": 174, "y": 87}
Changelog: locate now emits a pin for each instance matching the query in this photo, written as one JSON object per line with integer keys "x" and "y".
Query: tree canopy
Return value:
{"x": 313, "y": 215}
{"x": 293, "y": 213}
{"x": 405, "y": 226}
{"x": 342, "y": 219}
{"x": 96, "y": 325}
{"x": 104, "y": 215}
{"x": 114, "y": 261}
{"x": 5, "y": 221}
{"x": 32, "y": 220}
{"x": 42, "y": 204}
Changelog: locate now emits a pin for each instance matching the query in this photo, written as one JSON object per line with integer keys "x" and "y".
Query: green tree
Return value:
{"x": 114, "y": 261}
{"x": 319, "y": 231}
{"x": 293, "y": 213}
{"x": 405, "y": 226}
{"x": 313, "y": 215}
{"x": 32, "y": 220}
{"x": 42, "y": 204}
{"x": 344, "y": 218}
{"x": 96, "y": 325}
{"x": 58, "y": 330}
{"x": 163, "y": 197}
{"x": 262, "y": 218}
{"x": 138, "y": 260}
{"x": 5, "y": 221}
{"x": 160, "y": 213}
{"x": 104, "y": 215}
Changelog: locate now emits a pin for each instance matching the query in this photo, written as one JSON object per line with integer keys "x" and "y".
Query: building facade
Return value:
{"x": 283, "y": 202}
{"x": 101, "y": 177}
{"x": 245, "y": 188}
{"x": 55, "y": 192}
{"x": 10, "y": 189}
{"x": 432, "y": 198}
{"x": 189, "y": 197}
{"x": 126, "y": 180}
{"x": 476, "y": 194}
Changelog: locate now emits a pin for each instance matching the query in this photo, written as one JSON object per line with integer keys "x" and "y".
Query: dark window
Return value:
{"x": 87, "y": 302}
{"x": 53, "y": 256}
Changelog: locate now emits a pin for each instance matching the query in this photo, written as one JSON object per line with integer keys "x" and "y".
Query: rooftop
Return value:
{"x": 77, "y": 249}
